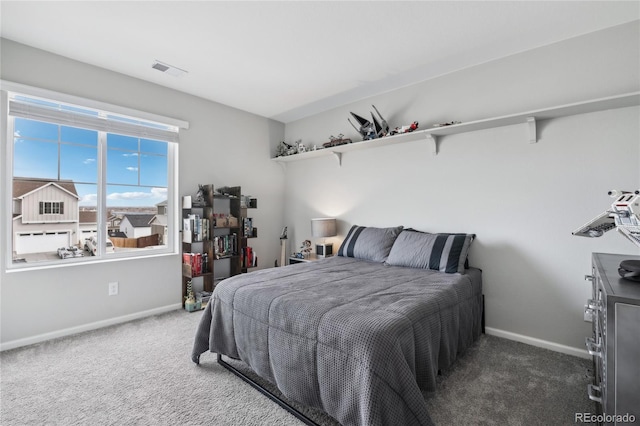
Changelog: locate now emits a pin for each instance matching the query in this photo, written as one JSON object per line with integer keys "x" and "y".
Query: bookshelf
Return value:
{"x": 214, "y": 240}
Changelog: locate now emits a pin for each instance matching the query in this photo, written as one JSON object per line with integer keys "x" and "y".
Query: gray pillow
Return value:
{"x": 439, "y": 252}
{"x": 369, "y": 243}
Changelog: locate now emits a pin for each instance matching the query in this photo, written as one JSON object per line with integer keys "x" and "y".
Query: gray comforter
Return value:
{"x": 355, "y": 338}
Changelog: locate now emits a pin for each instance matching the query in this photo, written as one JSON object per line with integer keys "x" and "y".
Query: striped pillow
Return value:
{"x": 438, "y": 252}
{"x": 369, "y": 243}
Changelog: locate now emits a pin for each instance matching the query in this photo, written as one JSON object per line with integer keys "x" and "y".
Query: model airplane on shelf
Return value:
{"x": 371, "y": 129}
{"x": 335, "y": 141}
{"x": 404, "y": 129}
{"x": 624, "y": 215}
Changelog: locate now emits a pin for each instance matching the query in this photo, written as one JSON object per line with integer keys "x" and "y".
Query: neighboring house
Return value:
{"x": 159, "y": 222}
{"x": 113, "y": 222}
{"x": 159, "y": 226}
{"x": 88, "y": 225}
{"x": 162, "y": 208}
{"x": 136, "y": 225}
{"x": 45, "y": 215}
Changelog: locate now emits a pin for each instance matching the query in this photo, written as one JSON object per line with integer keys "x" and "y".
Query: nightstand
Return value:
{"x": 311, "y": 258}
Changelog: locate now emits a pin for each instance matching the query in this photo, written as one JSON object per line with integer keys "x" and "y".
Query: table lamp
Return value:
{"x": 323, "y": 228}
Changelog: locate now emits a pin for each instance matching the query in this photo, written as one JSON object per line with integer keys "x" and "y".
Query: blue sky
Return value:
{"x": 136, "y": 168}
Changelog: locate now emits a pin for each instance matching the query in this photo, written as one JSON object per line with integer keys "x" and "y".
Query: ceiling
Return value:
{"x": 289, "y": 59}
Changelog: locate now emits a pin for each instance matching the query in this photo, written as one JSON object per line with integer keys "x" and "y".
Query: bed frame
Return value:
{"x": 281, "y": 402}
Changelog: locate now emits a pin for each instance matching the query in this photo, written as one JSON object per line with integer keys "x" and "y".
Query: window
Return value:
{"x": 51, "y": 207}
{"x": 90, "y": 178}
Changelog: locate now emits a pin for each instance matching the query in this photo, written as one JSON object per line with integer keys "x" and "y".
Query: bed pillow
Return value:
{"x": 369, "y": 243}
{"x": 439, "y": 252}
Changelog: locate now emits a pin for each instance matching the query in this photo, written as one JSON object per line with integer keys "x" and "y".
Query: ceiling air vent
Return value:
{"x": 169, "y": 69}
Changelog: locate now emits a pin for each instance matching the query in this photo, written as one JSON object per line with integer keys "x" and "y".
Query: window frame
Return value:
{"x": 9, "y": 89}
{"x": 58, "y": 210}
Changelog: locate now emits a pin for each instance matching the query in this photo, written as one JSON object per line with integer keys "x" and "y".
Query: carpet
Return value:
{"x": 140, "y": 373}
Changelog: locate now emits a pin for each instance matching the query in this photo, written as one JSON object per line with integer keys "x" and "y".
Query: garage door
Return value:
{"x": 42, "y": 242}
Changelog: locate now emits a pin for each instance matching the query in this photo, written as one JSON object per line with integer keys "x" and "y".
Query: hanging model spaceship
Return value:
{"x": 624, "y": 215}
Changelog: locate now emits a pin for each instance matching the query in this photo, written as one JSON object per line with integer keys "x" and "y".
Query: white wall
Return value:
{"x": 223, "y": 146}
{"x": 522, "y": 200}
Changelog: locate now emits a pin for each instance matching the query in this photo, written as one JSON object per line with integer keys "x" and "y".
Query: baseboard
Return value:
{"x": 86, "y": 327}
{"x": 581, "y": 353}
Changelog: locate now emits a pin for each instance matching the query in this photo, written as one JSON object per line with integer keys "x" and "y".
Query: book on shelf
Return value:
{"x": 225, "y": 245}
{"x": 187, "y": 231}
{"x": 197, "y": 226}
{"x": 195, "y": 229}
{"x": 247, "y": 224}
{"x": 249, "y": 258}
{"x": 194, "y": 262}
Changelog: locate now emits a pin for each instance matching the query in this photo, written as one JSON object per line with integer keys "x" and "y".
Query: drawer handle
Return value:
{"x": 588, "y": 277}
{"x": 595, "y": 305}
{"x": 591, "y": 391}
{"x": 593, "y": 348}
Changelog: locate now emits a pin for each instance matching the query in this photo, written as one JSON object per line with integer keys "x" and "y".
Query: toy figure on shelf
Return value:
{"x": 367, "y": 129}
{"x": 405, "y": 129}
{"x": 282, "y": 149}
{"x": 285, "y": 149}
{"x": 199, "y": 198}
{"x": 382, "y": 127}
{"x": 305, "y": 248}
{"x": 371, "y": 129}
{"x": 333, "y": 141}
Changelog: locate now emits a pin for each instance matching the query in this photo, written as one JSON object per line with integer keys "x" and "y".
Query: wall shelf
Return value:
{"x": 432, "y": 135}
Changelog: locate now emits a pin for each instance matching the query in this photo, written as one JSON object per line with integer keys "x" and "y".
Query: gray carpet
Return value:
{"x": 140, "y": 373}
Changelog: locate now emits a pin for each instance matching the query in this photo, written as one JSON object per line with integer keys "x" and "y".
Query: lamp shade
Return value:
{"x": 323, "y": 227}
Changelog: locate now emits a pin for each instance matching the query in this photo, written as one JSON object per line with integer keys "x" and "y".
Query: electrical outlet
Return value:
{"x": 588, "y": 317}
{"x": 113, "y": 288}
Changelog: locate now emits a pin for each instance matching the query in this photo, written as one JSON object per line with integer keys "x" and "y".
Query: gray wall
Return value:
{"x": 522, "y": 200}
{"x": 223, "y": 146}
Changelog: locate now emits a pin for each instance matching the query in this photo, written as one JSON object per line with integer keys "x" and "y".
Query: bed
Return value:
{"x": 359, "y": 335}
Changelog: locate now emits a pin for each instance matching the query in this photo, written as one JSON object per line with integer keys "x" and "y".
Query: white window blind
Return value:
{"x": 92, "y": 119}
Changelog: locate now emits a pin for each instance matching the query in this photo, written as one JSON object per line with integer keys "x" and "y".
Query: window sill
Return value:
{"x": 69, "y": 263}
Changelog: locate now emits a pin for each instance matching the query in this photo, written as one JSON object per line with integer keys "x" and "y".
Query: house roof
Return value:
{"x": 160, "y": 219}
{"x": 88, "y": 216}
{"x": 139, "y": 220}
{"x": 23, "y": 186}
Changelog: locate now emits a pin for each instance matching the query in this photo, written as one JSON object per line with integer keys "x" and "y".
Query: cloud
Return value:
{"x": 138, "y": 195}
{"x": 89, "y": 161}
{"x": 17, "y": 133}
{"x": 89, "y": 198}
{"x": 132, "y": 169}
{"x": 131, "y": 198}
{"x": 134, "y": 195}
{"x": 133, "y": 154}
{"x": 159, "y": 192}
